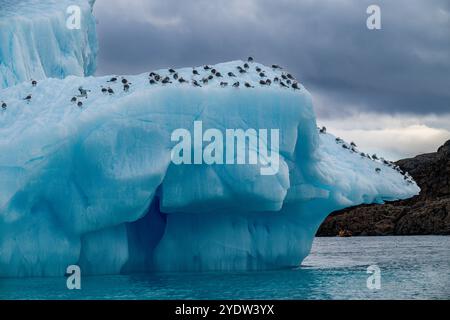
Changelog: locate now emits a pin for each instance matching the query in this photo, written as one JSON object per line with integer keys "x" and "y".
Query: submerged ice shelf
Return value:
{"x": 35, "y": 42}
{"x": 94, "y": 184}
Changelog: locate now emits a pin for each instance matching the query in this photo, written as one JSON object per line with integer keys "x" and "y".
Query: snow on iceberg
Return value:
{"x": 36, "y": 44}
{"x": 94, "y": 184}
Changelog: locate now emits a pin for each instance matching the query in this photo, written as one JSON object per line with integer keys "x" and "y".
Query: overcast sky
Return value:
{"x": 387, "y": 89}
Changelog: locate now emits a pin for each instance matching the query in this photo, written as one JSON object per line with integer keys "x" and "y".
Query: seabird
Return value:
{"x": 110, "y": 91}
{"x": 323, "y": 130}
{"x": 246, "y": 66}
{"x": 73, "y": 100}
{"x": 275, "y": 66}
{"x": 124, "y": 81}
{"x": 224, "y": 84}
{"x": 157, "y": 77}
{"x": 262, "y": 82}
{"x": 242, "y": 71}
{"x": 195, "y": 83}
{"x": 207, "y": 67}
{"x": 34, "y": 83}
{"x": 195, "y": 72}
{"x": 181, "y": 80}
{"x": 284, "y": 76}
{"x": 80, "y": 104}
{"x": 290, "y": 76}
{"x": 126, "y": 87}
{"x": 288, "y": 82}
{"x": 295, "y": 86}
{"x": 283, "y": 85}
{"x": 4, "y": 105}
{"x": 152, "y": 81}
{"x": 236, "y": 84}
{"x": 250, "y": 59}
{"x": 172, "y": 71}
{"x": 258, "y": 69}
{"x": 28, "y": 98}
{"x": 166, "y": 80}
{"x": 248, "y": 85}
{"x": 210, "y": 77}
{"x": 218, "y": 75}
{"x": 205, "y": 80}
{"x": 378, "y": 170}
{"x": 231, "y": 74}
{"x": 268, "y": 82}
{"x": 213, "y": 71}
{"x": 152, "y": 74}
{"x": 262, "y": 74}
{"x": 276, "y": 79}
{"x": 175, "y": 76}
{"x": 113, "y": 79}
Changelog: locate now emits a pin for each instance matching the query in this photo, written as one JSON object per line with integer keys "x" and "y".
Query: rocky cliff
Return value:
{"x": 427, "y": 213}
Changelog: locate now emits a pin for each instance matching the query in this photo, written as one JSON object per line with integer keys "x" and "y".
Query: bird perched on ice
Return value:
{"x": 80, "y": 104}
{"x": 250, "y": 59}
{"x": 236, "y": 84}
{"x": 248, "y": 85}
{"x": 4, "y": 106}
{"x": 231, "y": 74}
{"x": 73, "y": 100}
{"x": 27, "y": 98}
{"x": 110, "y": 91}
{"x": 195, "y": 83}
{"x": 113, "y": 79}
{"x": 34, "y": 83}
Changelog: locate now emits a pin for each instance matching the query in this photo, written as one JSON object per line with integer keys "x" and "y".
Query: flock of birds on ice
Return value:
{"x": 204, "y": 75}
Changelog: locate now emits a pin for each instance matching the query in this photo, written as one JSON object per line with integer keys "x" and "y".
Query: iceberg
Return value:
{"x": 87, "y": 177}
{"x": 36, "y": 43}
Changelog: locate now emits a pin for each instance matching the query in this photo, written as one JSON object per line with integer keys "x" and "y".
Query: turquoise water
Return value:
{"x": 411, "y": 268}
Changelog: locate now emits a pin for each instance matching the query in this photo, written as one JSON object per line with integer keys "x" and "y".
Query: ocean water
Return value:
{"x": 410, "y": 268}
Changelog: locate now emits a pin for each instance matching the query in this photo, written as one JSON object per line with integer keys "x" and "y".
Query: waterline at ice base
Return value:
{"x": 87, "y": 177}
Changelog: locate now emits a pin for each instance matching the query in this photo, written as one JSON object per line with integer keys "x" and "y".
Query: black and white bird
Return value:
{"x": 275, "y": 66}
{"x": 126, "y": 87}
{"x": 166, "y": 80}
{"x": 110, "y": 91}
{"x": 152, "y": 81}
{"x": 250, "y": 59}
{"x": 4, "y": 106}
{"x": 27, "y": 98}
{"x": 207, "y": 67}
{"x": 195, "y": 72}
{"x": 295, "y": 86}
{"x": 248, "y": 85}
{"x": 283, "y": 84}
{"x": 181, "y": 80}
{"x": 172, "y": 70}
{"x": 231, "y": 74}
{"x": 195, "y": 83}
{"x": 104, "y": 90}
{"x": 258, "y": 69}
{"x": 246, "y": 66}
{"x": 73, "y": 100}
{"x": 80, "y": 104}
{"x": 223, "y": 84}
{"x": 236, "y": 84}
{"x": 124, "y": 81}
{"x": 218, "y": 75}
{"x": 113, "y": 79}
{"x": 34, "y": 83}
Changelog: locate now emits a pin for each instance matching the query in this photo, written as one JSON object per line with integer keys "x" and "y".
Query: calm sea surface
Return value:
{"x": 411, "y": 268}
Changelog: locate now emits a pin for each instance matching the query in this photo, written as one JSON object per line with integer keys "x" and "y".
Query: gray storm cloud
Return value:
{"x": 402, "y": 69}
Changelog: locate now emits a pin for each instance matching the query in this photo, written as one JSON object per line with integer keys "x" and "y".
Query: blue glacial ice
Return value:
{"x": 95, "y": 186}
{"x": 36, "y": 44}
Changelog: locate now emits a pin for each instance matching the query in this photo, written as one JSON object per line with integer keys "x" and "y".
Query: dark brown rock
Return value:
{"x": 427, "y": 213}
